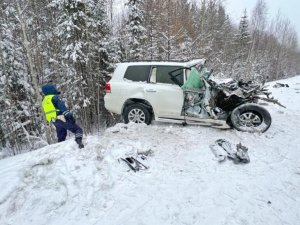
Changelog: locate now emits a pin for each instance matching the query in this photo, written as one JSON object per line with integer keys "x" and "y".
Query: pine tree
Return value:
{"x": 243, "y": 37}
{"x": 17, "y": 95}
{"x": 242, "y": 43}
{"x": 136, "y": 29}
{"x": 82, "y": 27}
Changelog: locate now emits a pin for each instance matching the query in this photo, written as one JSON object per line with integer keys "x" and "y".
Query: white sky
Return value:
{"x": 289, "y": 8}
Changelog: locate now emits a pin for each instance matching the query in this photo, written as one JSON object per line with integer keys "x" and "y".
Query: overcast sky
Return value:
{"x": 289, "y": 8}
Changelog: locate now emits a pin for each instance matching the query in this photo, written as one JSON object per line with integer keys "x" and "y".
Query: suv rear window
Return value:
{"x": 137, "y": 73}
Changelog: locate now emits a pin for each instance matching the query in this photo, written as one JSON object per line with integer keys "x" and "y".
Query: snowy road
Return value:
{"x": 185, "y": 184}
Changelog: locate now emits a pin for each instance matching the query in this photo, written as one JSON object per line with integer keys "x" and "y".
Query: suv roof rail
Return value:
{"x": 157, "y": 60}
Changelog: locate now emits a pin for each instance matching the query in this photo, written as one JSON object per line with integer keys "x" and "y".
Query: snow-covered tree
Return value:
{"x": 17, "y": 95}
{"x": 243, "y": 37}
{"x": 136, "y": 30}
{"x": 151, "y": 25}
{"x": 186, "y": 46}
{"x": 82, "y": 27}
{"x": 241, "y": 48}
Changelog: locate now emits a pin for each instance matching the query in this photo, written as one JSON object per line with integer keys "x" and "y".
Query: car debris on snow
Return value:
{"x": 223, "y": 149}
{"x": 134, "y": 164}
{"x": 279, "y": 85}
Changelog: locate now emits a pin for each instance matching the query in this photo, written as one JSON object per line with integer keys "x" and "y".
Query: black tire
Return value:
{"x": 137, "y": 113}
{"x": 251, "y": 118}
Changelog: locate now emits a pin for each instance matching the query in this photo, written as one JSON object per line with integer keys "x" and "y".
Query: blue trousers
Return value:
{"x": 63, "y": 127}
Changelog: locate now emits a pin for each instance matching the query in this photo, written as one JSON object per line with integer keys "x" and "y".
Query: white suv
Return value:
{"x": 172, "y": 92}
{"x": 142, "y": 91}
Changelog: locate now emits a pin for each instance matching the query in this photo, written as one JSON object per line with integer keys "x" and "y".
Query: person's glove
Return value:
{"x": 69, "y": 116}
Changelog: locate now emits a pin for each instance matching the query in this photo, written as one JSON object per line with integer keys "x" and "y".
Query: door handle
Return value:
{"x": 151, "y": 90}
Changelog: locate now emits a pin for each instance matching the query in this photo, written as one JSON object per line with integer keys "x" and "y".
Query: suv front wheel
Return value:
{"x": 137, "y": 113}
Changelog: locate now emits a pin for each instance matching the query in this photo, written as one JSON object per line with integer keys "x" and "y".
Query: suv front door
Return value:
{"x": 163, "y": 94}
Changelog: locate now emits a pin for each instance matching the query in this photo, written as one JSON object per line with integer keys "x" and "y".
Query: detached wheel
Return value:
{"x": 251, "y": 118}
{"x": 137, "y": 113}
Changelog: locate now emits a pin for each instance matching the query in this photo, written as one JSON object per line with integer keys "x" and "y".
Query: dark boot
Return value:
{"x": 79, "y": 142}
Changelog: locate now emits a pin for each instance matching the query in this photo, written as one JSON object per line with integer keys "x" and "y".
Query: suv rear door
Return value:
{"x": 163, "y": 94}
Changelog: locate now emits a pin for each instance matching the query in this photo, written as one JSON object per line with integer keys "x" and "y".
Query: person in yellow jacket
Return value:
{"x": 57, "y": 113}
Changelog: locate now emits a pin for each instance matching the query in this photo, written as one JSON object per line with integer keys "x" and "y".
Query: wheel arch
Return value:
{"x": 143, "y": 102}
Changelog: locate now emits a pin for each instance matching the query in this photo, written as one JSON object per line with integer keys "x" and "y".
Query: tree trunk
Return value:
{"x": 31, "y": 67}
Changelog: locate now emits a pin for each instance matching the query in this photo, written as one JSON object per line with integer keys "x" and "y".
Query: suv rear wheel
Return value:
{"x": 137, "y": 113}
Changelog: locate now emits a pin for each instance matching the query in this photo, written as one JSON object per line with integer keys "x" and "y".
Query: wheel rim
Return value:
{"x": 250, "y": 119}
{"x": 136, "y": 116}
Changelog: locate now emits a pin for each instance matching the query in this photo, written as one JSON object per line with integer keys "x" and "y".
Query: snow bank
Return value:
{"x": 185, "y": 184}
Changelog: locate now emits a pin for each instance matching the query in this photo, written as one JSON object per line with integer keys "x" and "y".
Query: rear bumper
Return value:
{"x": 112, "y": 104}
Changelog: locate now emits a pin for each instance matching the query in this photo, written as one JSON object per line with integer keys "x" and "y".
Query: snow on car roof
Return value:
{"x": 167, "y": 63}
{"x": 195, "y": 62}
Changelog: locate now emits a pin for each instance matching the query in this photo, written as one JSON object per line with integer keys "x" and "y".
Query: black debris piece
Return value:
{"x": 134, "y": 164}
{"x": 279, "y": 85}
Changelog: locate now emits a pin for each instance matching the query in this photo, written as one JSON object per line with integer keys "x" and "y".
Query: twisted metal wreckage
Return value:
{"x": 225, "y": 103}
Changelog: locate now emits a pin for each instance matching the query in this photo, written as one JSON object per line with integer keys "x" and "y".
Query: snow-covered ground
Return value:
{"x": 185, "y": 184}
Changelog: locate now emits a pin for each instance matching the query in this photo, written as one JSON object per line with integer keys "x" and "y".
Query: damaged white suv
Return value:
{"x": 143, "y": 91}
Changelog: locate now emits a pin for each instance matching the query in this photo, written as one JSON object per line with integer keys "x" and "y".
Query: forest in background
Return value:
{"x": 75, "y": 44}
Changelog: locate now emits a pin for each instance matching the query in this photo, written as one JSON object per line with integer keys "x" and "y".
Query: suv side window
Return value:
{"x": 137, "y": 73}
{"x": 162, "y": 74}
